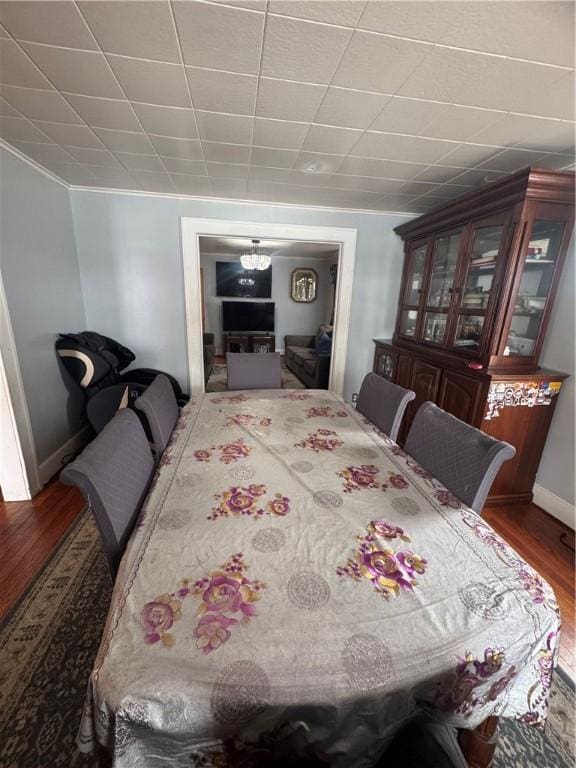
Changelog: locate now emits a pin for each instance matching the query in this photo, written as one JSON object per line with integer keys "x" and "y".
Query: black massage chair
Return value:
{"x": 94, "y": 362}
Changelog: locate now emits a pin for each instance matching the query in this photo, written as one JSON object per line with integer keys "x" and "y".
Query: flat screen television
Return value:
{"x": 248, "y": 316}
{"x": 233, "y": 280}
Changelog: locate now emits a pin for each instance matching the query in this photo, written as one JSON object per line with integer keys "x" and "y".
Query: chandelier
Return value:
{"x": 255, "y": 259}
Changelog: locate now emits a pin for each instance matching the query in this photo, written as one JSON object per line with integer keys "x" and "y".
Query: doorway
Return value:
{"x": 340, "y": 240}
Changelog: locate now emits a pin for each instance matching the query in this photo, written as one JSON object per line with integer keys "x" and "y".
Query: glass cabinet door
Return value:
{"x": 479, "y": 271}
{"x": 537, "y": 275}
{"x": 385, "y": 366}
{"x": 409, "y": 319}
{"x": 440, "y": 287}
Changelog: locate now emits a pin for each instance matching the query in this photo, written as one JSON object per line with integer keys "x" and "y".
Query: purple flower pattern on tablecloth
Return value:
{"x": 366, "y": 476}
{"x": 247, "y": 501}
{"x": 247, "y": 420}
{"x": 447, "y": 499}
{"x": 460, "y": 691}
{"x": 227, "y": 598}
{"x": 296, "y": 396}
{"x": 233, "y": 399}
{"x": 389, "y": 571}
{"x": 229, "y": 452}
{"x": 538, "y": 694}
{"x": 537, "y": 590}
{"x": 325, "y": 411}
{"x": 321, "y": 440}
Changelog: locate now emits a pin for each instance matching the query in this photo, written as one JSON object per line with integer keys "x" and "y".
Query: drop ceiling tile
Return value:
{"x": 367, "y": 184}
{"x": 304, "y": 179}
{"x": 277, "y": 175}
{"x": 252, "y": 5}
{"x": 227, "y": 170}
{"x": 6, "y": 110}
{"x": 276, "y": 158}
{"x": 468, "y": 155}
{"x": 73, "y": 173}
{"x": 229, "y": 187}
{"x": 384, "y": 169}
{"x": 302, "y": 50}
{"x": 527, "y": 132}
{"x": 45, "y": 154}
{"x": 478, "y": 178}
{"x": 167, "y": 121}
{"x": 461, "y": 123}
{"x": 287, "y": 100}
{"x": 235, "y": 129}
{"x": 116, "y": 176}
{"x": 154, "y": 182}
{"x": 3, "y": 32}
{"x": 341, "y": 12}
{"x": 40, "y": 105}
{"x": 446, "y": 191}
{"x": 179, "y": 165}
{"x": 186, "y": 149}
{"x": 279, "y": 135}
{"x": 438, "y": 173}
{"x": 390, "y": 146}
{"x": 222, "y": 91}
{"x": 84, "y": 72}
{"x": 350, "y": 109}
{"x": 408, "y": 116}
{"x": 20, "y": 129}
{"x": 96, "y": 157}
{"x": 17, "y": 69}
{"x": 151, "y": 82}
{"x": 226, "y": 153}
{"x": 534, "y": 30}
{"x": 126, "y": 141}
{"x": 141, "y": 29}
{"x": 314, "y": 162}
{"x": 104, "y": 113}
{"x": 220, "y": 37}
{"x": 417, "y": 187}
{"x": 511, "y": 160}
{"x": 47, "y": 22}
{"x": 376, "y": 63}
{"x": 73, "y": 135}
{"x": 191, "y": 185}
{"x": 140, "y": 162}
{"x": 483, "y": 81}
{"x": 556, "y": 101}
{"x": 337, "y": 141}
{"x": 556, "y": 162}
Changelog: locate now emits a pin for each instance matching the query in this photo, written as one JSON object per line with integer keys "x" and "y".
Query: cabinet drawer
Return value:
{"x": 404, "y": 372}
{"x": 425, "y": 382}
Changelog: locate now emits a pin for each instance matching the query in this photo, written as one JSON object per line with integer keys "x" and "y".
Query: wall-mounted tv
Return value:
{"x": 233, "y": 280}
{"x": 248, "y": 316}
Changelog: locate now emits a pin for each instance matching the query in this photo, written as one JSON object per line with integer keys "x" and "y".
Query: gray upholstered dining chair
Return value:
{"x": 383, "y": 403}
{"x": 257, "y": 370}
{"x": 113, "y": 473}
{"x": 462, "y": 457}
{"x": 159, "y": 406}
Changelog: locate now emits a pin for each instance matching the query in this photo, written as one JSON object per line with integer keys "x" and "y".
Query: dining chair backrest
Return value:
{"x": 256, "y": 370}
{"x": 159, "y": 406}
{"x": 461, "y": 457}
{"x": 113, "y": 473}
{"x": 383, "y": 403}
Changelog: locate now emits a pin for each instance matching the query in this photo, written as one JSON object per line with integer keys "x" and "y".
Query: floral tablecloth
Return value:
{"x": 299, "y": 586}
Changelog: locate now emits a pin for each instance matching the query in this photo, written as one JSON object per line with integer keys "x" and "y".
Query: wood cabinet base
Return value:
{"x": 516, "y": 406}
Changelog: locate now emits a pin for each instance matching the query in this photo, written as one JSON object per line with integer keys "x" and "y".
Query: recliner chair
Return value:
{"x": 95, "y": 363}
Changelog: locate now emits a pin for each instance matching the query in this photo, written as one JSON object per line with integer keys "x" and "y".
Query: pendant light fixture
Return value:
{"x": 255, "y": 259}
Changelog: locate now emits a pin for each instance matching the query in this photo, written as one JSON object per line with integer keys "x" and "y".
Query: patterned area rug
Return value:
{"x": 217, "y": 380}
{"x": 49, "y": 641}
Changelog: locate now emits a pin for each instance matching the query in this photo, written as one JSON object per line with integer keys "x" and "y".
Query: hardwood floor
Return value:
{"x": 29, "y": 531}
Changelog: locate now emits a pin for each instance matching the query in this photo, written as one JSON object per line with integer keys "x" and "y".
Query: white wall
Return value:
{"x": 42, "y": 283}
{"x": 290, "y": 316}
{"x": 556, "y": 472}
{"x": 130, "y": 258}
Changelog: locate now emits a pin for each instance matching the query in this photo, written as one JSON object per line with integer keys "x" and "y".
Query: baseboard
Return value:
{"x": 554, "y": 505}
{"x": 53, "y": 464}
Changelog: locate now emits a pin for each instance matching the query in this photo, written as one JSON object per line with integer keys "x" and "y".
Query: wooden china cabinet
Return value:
{"x": 479, "y": 281}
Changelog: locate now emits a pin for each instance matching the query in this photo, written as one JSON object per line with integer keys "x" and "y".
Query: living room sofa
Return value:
{"x": 300, "y": 357}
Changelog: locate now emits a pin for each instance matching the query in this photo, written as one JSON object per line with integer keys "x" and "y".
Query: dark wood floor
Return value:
{"x": 29, "y": 531}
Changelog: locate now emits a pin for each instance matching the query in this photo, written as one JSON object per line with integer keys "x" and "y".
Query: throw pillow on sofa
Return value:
{"x": 323, "y": 345}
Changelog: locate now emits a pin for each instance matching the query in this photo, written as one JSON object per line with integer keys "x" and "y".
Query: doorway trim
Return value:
{"x": 193, "y": 229}
{"x": 16, "y": 426}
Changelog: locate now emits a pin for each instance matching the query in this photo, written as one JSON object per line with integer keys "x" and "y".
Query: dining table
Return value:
{"x": 297, "y": 589}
